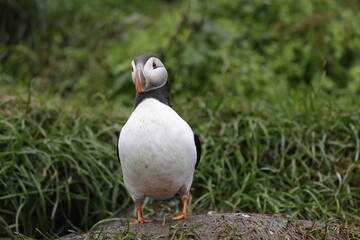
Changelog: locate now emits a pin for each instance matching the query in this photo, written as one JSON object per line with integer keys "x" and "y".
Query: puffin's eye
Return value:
{"x": 154, "y": 65}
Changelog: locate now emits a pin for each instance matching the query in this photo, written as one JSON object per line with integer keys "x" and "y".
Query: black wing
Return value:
{"x": 117, "y": 149}
{"x": 198, "y": 149}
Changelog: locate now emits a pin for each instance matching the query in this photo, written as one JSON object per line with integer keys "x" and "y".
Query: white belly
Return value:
{"x": 157, "y": 152}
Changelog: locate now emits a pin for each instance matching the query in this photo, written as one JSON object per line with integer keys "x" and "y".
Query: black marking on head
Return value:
{"x": 142, "y": 59}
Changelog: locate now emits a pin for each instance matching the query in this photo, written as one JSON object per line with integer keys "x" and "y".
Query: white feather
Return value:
{"x": 157, "y": 152}
{"x": 158, "y": 75}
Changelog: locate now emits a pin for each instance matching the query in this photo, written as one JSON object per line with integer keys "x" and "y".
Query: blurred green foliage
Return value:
{"x": 70, "y": 44}
{"x": 271, "y": 86}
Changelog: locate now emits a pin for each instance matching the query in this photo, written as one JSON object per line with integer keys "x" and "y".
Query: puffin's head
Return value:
{"x": 148, "y": 73}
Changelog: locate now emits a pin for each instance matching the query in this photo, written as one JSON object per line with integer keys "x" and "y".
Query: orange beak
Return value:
{"x": 140, "y": 79}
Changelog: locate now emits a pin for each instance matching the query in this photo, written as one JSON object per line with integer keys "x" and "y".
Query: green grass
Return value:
{"x": 56, "y": 162}
{"x": 296, "y": 165}
{"x": 272, "y": 88}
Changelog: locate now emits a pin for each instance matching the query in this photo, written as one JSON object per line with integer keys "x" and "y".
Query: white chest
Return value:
{"x": 157, "y": 151}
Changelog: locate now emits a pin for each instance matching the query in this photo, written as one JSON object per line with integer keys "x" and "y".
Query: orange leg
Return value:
{"x": 140, "y": 218}
{"x": 184, "y": 200}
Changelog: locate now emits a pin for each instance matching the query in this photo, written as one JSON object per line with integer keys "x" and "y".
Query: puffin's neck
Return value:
{"x": 161, "y": 94}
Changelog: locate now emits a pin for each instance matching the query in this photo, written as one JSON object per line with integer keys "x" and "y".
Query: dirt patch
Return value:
{"x": 221, "y": 226}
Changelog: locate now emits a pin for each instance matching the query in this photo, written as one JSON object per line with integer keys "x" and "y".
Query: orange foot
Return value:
{"x": 181, "y": 216}
{"x": 184, "y": 200}
{"x": 139, "y": 214}
{"x": 143, "y": 221}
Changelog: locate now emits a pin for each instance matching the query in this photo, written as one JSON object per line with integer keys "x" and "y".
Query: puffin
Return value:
{"x": 158, "y": 150}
